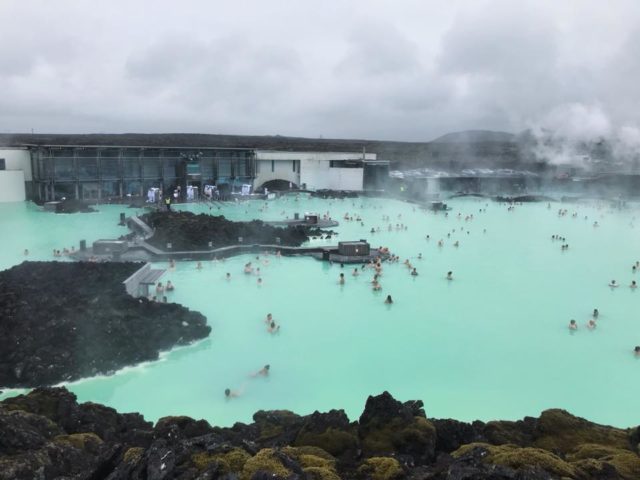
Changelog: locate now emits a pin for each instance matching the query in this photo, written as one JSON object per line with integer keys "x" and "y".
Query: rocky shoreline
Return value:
{"x": 63, "y": 321}
{"x": 48, "y": 435}
{"x": 186, "y": 231}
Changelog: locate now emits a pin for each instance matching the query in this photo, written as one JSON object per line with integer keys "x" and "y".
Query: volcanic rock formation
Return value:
{"x": 188, "y": 231}
{"x": 47, "y": 435}
{"x": 62, "y": 321}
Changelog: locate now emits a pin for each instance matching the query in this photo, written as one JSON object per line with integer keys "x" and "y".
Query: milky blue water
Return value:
{"x": 492, "y": 343}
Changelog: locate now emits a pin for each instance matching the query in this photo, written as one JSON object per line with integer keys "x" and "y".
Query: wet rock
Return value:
{"x": 63, "y": 321}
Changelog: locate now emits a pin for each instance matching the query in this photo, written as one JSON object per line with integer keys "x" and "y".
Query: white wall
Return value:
{"x": 12, "y": 186}
{"x": 317, "y": 174}
{"x": 315, "y": 171}
{"x": 17, "y": 159}
{"x": 283, "y": 170}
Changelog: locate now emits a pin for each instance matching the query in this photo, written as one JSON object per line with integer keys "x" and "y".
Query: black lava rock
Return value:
{"x": 187, "y": 231}
{"x": 62, "y": 321}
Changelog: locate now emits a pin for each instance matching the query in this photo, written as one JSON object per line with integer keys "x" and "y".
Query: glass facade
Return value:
{"x": 102, "y": 173}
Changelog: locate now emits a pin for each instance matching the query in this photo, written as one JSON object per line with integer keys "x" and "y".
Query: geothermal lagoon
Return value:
{"x": 491, "y": 343}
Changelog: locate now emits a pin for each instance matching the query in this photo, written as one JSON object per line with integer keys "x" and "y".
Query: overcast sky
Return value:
{"x": 398, "y": 70}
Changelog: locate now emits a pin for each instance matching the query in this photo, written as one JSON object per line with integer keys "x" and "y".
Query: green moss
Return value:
{"x": 627, "y": 464}
{"x": 517, "y": 457}
{"x": 230, "y": 462}
{"x": 36, "y": 401}
{"x": 268, "y": 431}
{"x": 381, "y": 468}
{"x": 318, "y": 473}
{"x": 80, "y": 440}
{"x": 202, "y": 460}
{"x": 265, "y": 461}
{"x": 464, "y": 449}
{"x": 133, "y": 455}
{"x": 593, "y": 450}
{"x": 308, "y": 450}
{"x": 558, "y": 430}
{"x": 234, "y": 460}
{"x": 331, "y": 440}
{"x": 395, "y": 435}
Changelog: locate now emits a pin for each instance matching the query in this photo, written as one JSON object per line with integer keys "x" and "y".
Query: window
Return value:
{"x": 224, "y": 167}
{"x": 109, "y": 168}
{"x": 130, "y": 164}
{"x": 345, "y": 164}
{"x": 273, "y": 165}
{"x": 64, "y": 168}
{"x": 3, "y": 164}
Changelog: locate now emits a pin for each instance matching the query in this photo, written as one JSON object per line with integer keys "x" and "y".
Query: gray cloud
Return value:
{"x": 406, "y": 70}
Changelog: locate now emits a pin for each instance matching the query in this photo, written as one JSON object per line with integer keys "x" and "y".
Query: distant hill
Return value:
{"x": 475, "y": 136}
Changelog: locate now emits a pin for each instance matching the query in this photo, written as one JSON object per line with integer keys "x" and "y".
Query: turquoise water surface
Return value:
{"x": 492, "y": 343}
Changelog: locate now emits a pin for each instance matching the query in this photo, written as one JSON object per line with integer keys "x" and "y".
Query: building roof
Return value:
{"x": 183, "y": 140}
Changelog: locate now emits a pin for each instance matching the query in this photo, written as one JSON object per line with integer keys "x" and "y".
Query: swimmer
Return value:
{"x": 633, "y": 284}
{"x": 273, "y": 328}
{"x": 259, "y": 281}
{"x": 596, "y": 313}
{"x": 636, "y": 350}
{"x": 613, "y": 284}
{"x": 199, "y": 266}
{"x": 388, "y": 300}
{"x": 420, "y": 256}
{"x": 355, "y": 272}
{"x": 228, "y": 393}
{"x": 159, "y": 288}
{"x": 172, "y": 264}
{"x": 414, "y": 272}
{"x": 26, "y": 252}
{"x": 263, "y": 372}
{"x": 164, "y": 299}
{"x": 449, "y": 275}
{"x": 591, "y": 324}
{"x": 269, "y": 319}
{"x": 341, "y": 279}
{"x": 573, "y": 325}
{"x": 376, "y": 286}
{"x": 169, "y": 287}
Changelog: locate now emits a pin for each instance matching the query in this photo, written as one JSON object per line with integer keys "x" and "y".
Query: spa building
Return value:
{"x": 51, "y": 167}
